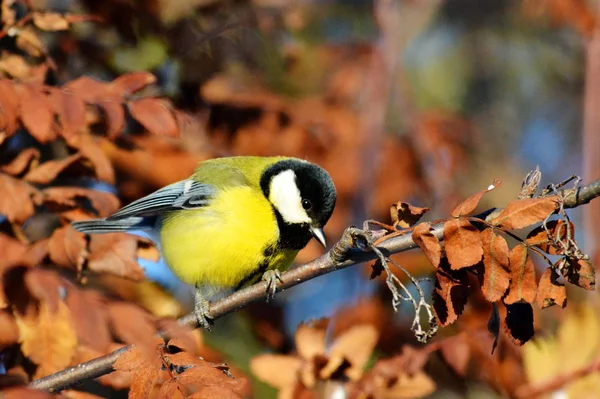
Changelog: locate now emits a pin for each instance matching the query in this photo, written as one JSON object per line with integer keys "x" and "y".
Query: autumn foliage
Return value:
{"x": 86, "y": 128}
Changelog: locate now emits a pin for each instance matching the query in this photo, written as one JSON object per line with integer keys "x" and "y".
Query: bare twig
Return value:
{"x": 349, "y": 251}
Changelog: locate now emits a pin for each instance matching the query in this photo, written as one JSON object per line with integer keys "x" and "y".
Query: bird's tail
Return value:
{"x": 99, "y": 226}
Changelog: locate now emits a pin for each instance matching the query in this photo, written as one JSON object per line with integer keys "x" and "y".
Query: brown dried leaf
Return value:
{"x": 46, "y": 286}
{"x": 116, "y": 254}
{"x": 24, "y": 392}
{"x": 456, "y": 352}
{"x": 355, "y": 346}
{"x": 550, "y": 292}
{"x": 74, "y": 165}
{"x": 68, "y": 198}
{"x": 9, "y": 13}
{"x": 462, "y": 243}
{"x": 530, "y": 184}
{"x": 156, "y": 115}
{"x": 9, "y": 107}
{"x": 172, "y": 389}
{"x": 114, "y": 115}
{"x": 91, "y": 149}
{"x": 22, "y": 162}
{"x": 36, "y": 112}
{"x": 557, "y": 229}
{"x": 9, "y": 331}
{"x": 405, "y": 215}
{"x": 581, "y": 272}
{"x": 450, "y": 295}
{"x": 49, "y": 21}
{"x": 522, "y": 277}
{"x": 130, "y": 83}
{"x": 133, "y": 326}
{"x": 428, "y": 242}
{"x": 90, "y": 318}
{"x": 48, "y": 338}
{"x": 70, "y": 110}
{"x": 496, "y": 277}
{"x": 469, "y": 205}
{"x": 215, "y": 393}
{"x": 17, "y": 200}
{"x": 310, "y": 340}
{"x": 525, "y": 212}
{"x": 278, "y": 371}
{"x": 145, "y": 371}
{"x": 88, "y": 89}
{"x": 518, "y": 324}
{"x": 67, "y": 248}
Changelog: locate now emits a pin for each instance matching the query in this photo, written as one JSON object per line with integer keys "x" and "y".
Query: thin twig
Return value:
{"x": 345, "y": 253}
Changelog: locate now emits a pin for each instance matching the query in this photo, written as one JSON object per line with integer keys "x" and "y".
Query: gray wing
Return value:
{"x": 142, "y": 214}
{"x": 185, "y": 194}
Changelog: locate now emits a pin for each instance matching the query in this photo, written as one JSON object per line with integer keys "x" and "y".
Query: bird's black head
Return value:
{"x": 303, "y": 197}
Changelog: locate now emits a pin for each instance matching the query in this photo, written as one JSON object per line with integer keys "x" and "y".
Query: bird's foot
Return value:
{"x": 201, "y": 310}
{"x": 271, "y": 277}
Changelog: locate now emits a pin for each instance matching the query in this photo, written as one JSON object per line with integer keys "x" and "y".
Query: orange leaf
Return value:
{"x": 557, "y": 230}
{"x": 522, "y": 277}
{"x": 456, "y": 352}
{"x": 155, "y": 115}
{"x": 130, "y": 83}
{"x": 24, "y": 392}
{"x": 581, "y": 272}
{"x": 310, "y": 340}
{"x": 17, "y": 200}
{"x": 70, "y": 110}
{"x": 36, "y": 113}
{"x": 550, "y": 291}
{"x": 115, "y": 117}
{"x": 525, "y": 212}
{"x": 518, "y": 324}
{"x": 9, "y": 333}
{"x": 9, "y": 107}
{"x": 133, "y": 326}
{"x": 496, "y": 278}
{"x": 428, "y": 242}
{"x": 48, "y": 338}
{"x": 450, "y": 295}
{"x": 462, "y": 243}
{"x": 49, "y": 21}
{"x": 145, "y": 371}
{"x": 469, "y": 205}
{"x": 90, "y": 318}
{"x": 278, "y": 371}
{"x": 23, "y": 161}
{"x": 91, "y": 149}
{"x": 356, "y": 346}
{"x": 74, "y": 165}
{"x": 214, "y": 393}
{"x": 66, "y": 198}
{"x": 116, "y": 254}
{"x": 405, "y": 215}
{"x": 67, "y": 248}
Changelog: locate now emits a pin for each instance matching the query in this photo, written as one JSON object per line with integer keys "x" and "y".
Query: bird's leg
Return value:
{"x": 201, "y": 307}
{"x": 271, "y": 277}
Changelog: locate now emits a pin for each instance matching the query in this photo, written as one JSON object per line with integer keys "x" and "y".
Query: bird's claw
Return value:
{"x": 271, "y": 277}
{"x": 201, "y": 310}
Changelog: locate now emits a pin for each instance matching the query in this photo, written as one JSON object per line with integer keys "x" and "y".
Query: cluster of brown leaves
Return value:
{"x": 476, "y": 252}
{"x": 576, "y": 13}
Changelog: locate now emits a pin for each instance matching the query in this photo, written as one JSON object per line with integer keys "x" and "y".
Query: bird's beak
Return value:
{"x": 318, "y": 233}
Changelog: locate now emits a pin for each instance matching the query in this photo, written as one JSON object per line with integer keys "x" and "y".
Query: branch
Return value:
{"x": 345, "y": 253}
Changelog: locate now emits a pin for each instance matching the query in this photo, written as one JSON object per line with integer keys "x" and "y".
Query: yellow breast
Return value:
{"x": 226, "y": 243}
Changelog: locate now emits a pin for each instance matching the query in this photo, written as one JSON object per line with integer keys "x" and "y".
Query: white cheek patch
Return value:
{"x": 285, "y": 196}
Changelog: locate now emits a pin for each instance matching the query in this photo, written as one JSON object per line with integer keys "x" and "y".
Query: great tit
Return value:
{"x": 234, "y": 221}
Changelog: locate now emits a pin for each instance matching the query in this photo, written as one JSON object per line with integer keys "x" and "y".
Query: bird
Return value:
{"x": 235, "y": 221}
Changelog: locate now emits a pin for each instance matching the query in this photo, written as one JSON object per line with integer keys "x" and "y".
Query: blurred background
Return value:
{"x": 424, "y": 101}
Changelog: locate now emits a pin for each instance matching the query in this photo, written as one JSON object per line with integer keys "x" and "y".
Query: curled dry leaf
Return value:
{"x": 450, "y": 295}
{"x": 469, "y": 205}
{"x": 462, "y": 243}
{"x": 496, "y": 277}
{"x": 522, "y": 277}
{"x": 48, "y": 338}
{"x": 428, "y": 242}
{"x": 551, "y": 292}
{"x": 530, "y": 184}
{"x": 22, "y": 162}
{"x": 581, "y": 272}
{"x": 558, "y": 230}
{"x": 9, "y": 107}
{"x": 525, "y": 212}
{"x": 116, "y": 254}
{"x": 146, "y": 371}
{"x": 75, "y": 165}
{"x": 405, "y": 215}
{"x": 518, "y": 324}
{"x": 49, "y": 21}
{"x": 18, "y": 199}
{"x": 36, "y": 112}
{"x": 156, "y": 115}
{"x": 69, "y": 198}
{"x": 67, "y": 248}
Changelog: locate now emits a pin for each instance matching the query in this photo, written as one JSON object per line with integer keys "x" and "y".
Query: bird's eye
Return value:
{"x": 306, "y": 204}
